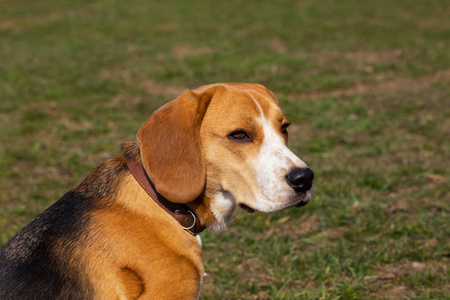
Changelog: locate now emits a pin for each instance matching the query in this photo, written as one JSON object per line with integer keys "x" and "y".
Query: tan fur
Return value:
{"x": 170, "y": 146}
{"x": 132, "y": 283}
{"x": 140, "y": 233}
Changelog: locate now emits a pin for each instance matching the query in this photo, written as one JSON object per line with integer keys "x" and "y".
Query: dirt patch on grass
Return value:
{"x": 387, "y": 283}
{"x": 374, "y": 57}
{"x": 391, "y": 272}
{"x": 9, "y": 25}
{"x": 250, "y": 271}
{"x": 413, "y": 85}
{"x": 360, "y": 57}
{"x": 277, "y": 45}
{"x": 29, "y": 21}
{"x": 436, "y": 178}
{"x": 181, "y": 52}
{"x": 296, "y": 228}
{"x": 161, "y": 89}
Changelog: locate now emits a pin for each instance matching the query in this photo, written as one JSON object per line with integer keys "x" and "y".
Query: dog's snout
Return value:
{"x": 300, "y": 180}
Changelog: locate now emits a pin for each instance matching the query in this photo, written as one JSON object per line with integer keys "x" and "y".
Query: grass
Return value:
{"x": 366, "y": 84}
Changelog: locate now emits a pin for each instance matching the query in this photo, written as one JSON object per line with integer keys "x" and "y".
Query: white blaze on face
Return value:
{"x": 272, "y": 164}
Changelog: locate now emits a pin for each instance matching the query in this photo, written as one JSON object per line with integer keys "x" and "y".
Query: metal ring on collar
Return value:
{"x": 193, "y": 224}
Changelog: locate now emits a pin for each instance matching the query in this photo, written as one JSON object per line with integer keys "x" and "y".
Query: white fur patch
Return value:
{"x": 199, "y": 239}
{"x": 222, "y": 207}
{"x": 273, "y": 163}
{"x": 200, "y": 286}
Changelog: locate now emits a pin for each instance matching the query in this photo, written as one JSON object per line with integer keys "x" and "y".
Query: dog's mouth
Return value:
{"x": 251, "y": 210}
{"x": 302, "y": 203}
{"x": 247, "y": 208}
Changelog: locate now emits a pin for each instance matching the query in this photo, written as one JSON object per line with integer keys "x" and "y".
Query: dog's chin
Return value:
{"x": 299, "y": 203}
{"x": 304, "y": 199}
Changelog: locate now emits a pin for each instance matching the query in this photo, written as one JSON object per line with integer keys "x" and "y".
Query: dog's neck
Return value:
{"x": 203, "y": 206}
{"x": 182, "y": 214}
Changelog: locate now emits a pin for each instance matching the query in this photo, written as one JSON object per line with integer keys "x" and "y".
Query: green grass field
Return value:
{"x": 366, "y": 84}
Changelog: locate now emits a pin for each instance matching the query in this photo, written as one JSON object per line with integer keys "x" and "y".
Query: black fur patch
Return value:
{"x": 34, "y": 263}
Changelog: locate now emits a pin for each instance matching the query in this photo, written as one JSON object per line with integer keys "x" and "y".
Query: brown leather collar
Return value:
{"x": 182, "y": 214}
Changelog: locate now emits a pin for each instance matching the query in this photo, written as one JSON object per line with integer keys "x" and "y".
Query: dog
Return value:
{"x": 130, "y": 229}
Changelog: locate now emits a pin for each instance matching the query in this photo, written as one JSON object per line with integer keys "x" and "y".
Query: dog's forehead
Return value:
{"x": 252, "y": 100}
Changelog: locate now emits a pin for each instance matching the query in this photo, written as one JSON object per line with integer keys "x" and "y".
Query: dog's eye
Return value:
{"x": 239, "y": 135}
{"x": 284, "y": 128}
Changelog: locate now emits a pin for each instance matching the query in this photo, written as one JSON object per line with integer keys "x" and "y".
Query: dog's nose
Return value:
{"x": 300, "y": 180}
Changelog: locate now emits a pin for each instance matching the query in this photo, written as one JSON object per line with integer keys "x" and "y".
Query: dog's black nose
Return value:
{"x": 300, "y": 180}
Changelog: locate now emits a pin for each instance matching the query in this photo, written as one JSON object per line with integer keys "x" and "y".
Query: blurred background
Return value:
{"x": 365, "y": 83}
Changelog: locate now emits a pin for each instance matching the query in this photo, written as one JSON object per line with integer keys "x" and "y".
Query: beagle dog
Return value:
{"x": 128, "y": 231}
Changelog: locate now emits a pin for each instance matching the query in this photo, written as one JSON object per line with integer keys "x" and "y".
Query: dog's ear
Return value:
{"x": 170, "y": 146}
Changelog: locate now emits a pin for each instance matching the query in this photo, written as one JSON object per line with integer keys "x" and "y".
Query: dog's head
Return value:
{"x": 228, "y": 143}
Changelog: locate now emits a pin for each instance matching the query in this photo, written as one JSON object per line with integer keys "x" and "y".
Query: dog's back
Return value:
{"x": 39, "y": 262}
